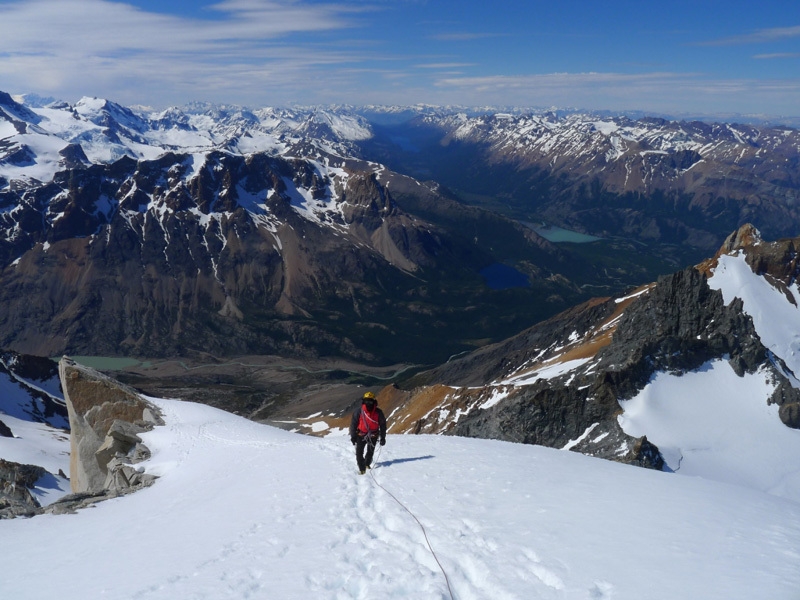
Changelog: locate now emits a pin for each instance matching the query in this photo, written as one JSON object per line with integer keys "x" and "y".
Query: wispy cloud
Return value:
{"x": 757, "y": 37}
{"x": 444, "y": 65}
{"x": 65, "y": 45}
{"x": 777, "y": 55}
{"x": 463, "y": 36}
{"x": 262, "y": 52}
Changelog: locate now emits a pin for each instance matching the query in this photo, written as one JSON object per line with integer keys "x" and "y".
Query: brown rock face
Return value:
{"x": 99, "y": 408}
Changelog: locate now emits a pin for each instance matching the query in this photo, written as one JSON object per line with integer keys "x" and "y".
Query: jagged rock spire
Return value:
{"x": 747, "y": 235}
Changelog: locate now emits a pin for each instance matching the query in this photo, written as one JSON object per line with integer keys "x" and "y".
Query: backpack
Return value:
{"x": 368, "y": 422}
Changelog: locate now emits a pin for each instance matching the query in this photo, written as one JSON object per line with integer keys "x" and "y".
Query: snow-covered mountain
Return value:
{"x": 219, "y": 229}
{"x": 40, "y": 138}
{"x": 629, "y": 155}
{"x": 698, "y": 166}
{"x": 243, "y": 510}
{"x": 653, "y": 180}
{"x": 35, "y": 139}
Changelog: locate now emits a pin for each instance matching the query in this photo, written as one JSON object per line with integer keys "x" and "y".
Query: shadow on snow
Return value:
{"x": 388, "y": 463}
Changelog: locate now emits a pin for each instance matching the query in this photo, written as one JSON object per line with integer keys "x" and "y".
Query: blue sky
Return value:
{"x": 698, "y": 57}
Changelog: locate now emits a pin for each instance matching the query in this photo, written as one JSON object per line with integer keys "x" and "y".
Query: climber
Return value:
{"x": 367, "y": 427}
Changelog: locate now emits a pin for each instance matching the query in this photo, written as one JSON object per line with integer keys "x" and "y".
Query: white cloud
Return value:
{"x": 97, "y": 46}
{"x": 668, "y": 92}
{"x": 759, "y": 36}
{"x": 777, "y": 55}
{"x": 271, "y": 52}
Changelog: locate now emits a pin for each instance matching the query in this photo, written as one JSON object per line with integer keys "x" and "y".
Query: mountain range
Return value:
{"x": 230, "y": 232}
{"x": 376, "y": 234}
{"x": 657, "y": 181}
{"x": 358, "y": 236}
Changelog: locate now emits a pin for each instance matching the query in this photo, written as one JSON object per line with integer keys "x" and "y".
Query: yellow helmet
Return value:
{"x": 369, "y": 396}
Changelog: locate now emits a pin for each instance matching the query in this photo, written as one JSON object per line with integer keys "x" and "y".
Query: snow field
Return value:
{"x": 714, "y": 424}
{"x": 775, "y": 317}
{"x": 243, "y": 510}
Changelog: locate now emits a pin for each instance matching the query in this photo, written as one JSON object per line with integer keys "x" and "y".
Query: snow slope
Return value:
{"x": 714, "y": 424}
{"x": 243, "y": 510}
{"x": 775, "y": 316}
{"x": 37, "y": 439}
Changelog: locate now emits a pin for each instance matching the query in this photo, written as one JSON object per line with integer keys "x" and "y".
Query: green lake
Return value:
{"x": 107, "y": 363}
{"x": 557, "y": 234}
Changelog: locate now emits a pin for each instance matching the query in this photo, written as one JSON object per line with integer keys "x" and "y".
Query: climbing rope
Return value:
{"x": 413, "y": 516}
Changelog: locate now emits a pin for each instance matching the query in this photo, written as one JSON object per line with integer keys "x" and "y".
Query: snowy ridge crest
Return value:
{"x": 107, "y": 131}
{"x": 627, "y": 155}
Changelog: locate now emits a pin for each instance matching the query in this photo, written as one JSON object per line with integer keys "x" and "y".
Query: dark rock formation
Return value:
{"x": 162, "y": 258}
{"x": 16, "y": 481}
{"x": 676, "y": 325}
{"x": 5, "y": 431}
{"x": 790, "y": 414}
{"x": 33, "y": 375}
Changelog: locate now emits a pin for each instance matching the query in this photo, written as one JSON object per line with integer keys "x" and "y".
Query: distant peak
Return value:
{"x": 746, "y": 236}
{"x": 6, "y": 99}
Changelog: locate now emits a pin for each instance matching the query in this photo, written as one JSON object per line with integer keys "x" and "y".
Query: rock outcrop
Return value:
{"x": 106, "y": 418}
{"x": 16, "y": 481}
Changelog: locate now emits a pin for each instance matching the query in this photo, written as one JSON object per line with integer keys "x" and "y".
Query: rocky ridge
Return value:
{"x": 560, "y": 383}
{"x": 16, "y": 481}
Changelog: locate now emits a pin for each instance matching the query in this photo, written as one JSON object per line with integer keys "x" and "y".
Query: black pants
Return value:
{"x": 368, "y": 443}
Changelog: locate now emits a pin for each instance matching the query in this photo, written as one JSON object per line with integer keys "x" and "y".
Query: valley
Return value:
{"x": 262, "y": 388}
